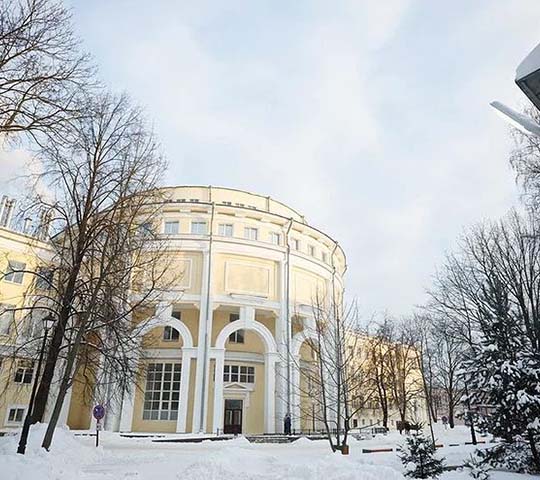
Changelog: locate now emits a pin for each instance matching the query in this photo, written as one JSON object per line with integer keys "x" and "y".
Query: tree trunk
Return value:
{"x": 42, "y": 394}
{"x": 451, "y": 414}
{"x": 384, "y": 416}
{"x": 62, "y": 391}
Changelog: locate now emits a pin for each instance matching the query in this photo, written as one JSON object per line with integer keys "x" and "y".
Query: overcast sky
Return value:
{"x": 370, "y": 117}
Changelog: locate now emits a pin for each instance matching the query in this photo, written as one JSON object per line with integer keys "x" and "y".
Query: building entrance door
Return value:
{"x": 233, "y": 416}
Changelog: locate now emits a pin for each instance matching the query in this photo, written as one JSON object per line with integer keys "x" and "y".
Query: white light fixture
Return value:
{"x": 516, "y": 119}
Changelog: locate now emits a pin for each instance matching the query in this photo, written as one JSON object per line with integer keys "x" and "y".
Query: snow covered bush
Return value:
{"x": 418, "y": 457}
{"x": 478, "y": 468}
{"x": 515, "y": 456}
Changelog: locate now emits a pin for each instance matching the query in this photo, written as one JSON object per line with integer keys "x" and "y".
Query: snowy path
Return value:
{"x": 139, "y": 458}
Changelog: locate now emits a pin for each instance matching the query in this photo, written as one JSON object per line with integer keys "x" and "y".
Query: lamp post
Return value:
{"x": 528, "y": 80}
{"x": 48, "y": 323}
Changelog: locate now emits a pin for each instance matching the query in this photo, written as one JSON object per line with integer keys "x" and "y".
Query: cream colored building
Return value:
{"x": 223, "y": 335}
{"x": 18, "y": 252}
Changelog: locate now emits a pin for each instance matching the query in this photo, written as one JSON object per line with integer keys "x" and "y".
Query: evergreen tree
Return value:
{"x": 504, "y": 373}
{"x": 478, "y": 468}
{"x": 418, "y": 457}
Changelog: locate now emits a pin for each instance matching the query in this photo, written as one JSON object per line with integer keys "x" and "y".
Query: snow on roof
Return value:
{"x": 530, "y": 63}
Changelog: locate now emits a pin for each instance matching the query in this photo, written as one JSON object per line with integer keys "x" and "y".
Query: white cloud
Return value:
{"x": 369, "y": 117}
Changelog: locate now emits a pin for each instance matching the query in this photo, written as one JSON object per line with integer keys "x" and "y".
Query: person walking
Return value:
{"x": 445, "y": 422}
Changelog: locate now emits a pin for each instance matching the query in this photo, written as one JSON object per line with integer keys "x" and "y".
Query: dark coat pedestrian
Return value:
{"x": 287, "y": 424}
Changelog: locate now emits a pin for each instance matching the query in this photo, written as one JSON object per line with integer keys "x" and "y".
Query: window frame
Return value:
{"x": 199, "y": 222}
{"x": 16, "y": 407}
{"x": 163, "y": 395}
{"x": 248, "y": 231}
{"x": 7, "y": 309}
{"x": 171, "y": 222}
{"x": 172, "y": 336}
{"x": 24, "y": 373}
{"x": 238, "y": 336}
{"x": 295, "y": 244}
{"x": 233, "y": 373}
{"x": 223, "y": 230}
{"x": 12, "y": 274}
{"x": 275, "y": 238}
{"x": 42, "y": 283}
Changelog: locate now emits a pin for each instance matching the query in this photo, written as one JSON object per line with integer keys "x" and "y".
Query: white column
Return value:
{"x": 64, "y": 412}
{"x": 281, "y": 339}
{"x": 187, "y": 355}
{"x": 199, "y": 407}
{"x": 270, "y": 392}
{"x": 248, "y": 315}
{"x": 295, "y": 387}
{"x": 126, "y": 418}
{"x": 219, "y": 356}
{"x": 128, "y": 402}
{"x": 98, "y": 393}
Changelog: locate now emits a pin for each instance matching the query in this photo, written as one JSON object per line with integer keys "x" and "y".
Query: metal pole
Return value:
{"x": 28, "y": 419}
{"x": 288, "y": 313}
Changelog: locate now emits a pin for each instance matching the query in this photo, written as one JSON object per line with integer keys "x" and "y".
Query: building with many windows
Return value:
{"x": 222, "y": 337}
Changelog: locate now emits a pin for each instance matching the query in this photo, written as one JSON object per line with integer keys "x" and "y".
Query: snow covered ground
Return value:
{"x": 141, "y": 459}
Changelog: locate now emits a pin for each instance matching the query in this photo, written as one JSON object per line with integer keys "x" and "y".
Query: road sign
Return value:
{"x": 98, "y": 412}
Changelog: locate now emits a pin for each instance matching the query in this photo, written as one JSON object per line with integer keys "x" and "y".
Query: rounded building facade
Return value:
{"x": 223, "y": 345}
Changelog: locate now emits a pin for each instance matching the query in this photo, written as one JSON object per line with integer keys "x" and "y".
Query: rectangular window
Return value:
{"x": 225, "y": 229}
{"x": 171, "y": 227}
{"x": 14, "y": 272}
{"x": 145, "y": 229}
{"x": 324, "y": 257}
{"x": 162, "y": 391}
{"x": 238, "y": 336}
{"x": 170, "y": 334}
{"x": 7, "y": 317}
{"x": 198, "y": 228}
{"x": 275, "y": 238}
{"x": 15, "y": 415}
{"x": 311, "y": 250}
{"x": 355, "y": 423}
{"x": 44, "y": 278}
{"x": 238, "y": 374}
{"x": 24, "y": 372}
{"x": 295, "y": 244}
{"x": 251, "y": 233}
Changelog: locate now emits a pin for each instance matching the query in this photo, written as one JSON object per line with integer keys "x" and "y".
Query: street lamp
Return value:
{"x": 528, "y": 76}
{"x": 528, "y": 80}
{"x": 48, "y": 323}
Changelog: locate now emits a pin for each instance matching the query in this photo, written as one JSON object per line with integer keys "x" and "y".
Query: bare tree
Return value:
{"x": 449, "y": 358}
{"x": 404, "y": 373}
{"x": 525, "y": 159}
{"x": 335, "y": 379}
{"x": 427, "y": 360}
{"x": 493, "y": 280}
{"x": 378, "y": 351}
{"x": 102, "y": 175}
{"x": 42, "y": 69}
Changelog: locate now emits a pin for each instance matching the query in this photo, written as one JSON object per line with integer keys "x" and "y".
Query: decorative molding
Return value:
{"x": 247, "y": 357}
{"x": 229, "y": 264}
